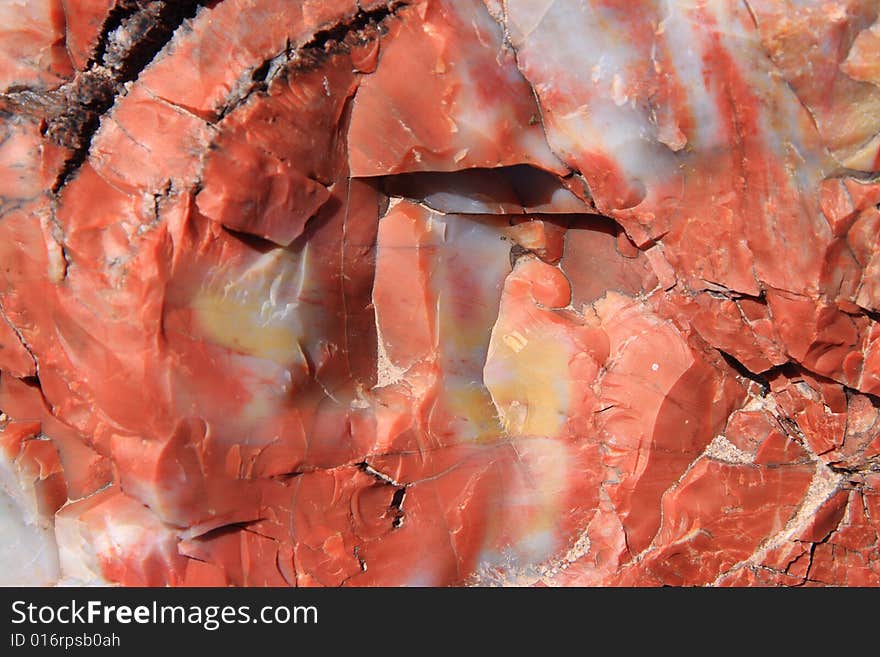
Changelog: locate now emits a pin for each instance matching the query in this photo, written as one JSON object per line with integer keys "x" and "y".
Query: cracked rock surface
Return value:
{"x": 440, "y": 292}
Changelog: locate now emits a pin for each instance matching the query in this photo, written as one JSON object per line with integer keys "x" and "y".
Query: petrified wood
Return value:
{"x": 440, "y": 292}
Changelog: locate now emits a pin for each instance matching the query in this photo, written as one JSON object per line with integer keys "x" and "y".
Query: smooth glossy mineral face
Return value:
{"x": 440, "y": 292}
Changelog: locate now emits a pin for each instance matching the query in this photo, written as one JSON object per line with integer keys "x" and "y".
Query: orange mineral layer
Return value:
{"x": 440, "y": 292}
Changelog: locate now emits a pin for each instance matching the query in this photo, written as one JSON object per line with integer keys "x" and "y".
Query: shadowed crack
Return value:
{"x": 327, "y": 39}
{"x": 133, "y": 34}
{"x": 746, "y": 373}
{"x": 397, "y": 499}
{"x": 362, "y": 27}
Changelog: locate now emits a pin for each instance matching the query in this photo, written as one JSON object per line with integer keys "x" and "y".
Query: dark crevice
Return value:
{"x": 32, "y": 381}
{"x": 516, "y": 190}
{"x": 873, "y": 315}
{"x": 869, "y": 467}
{"x": 363, "y": 22}
{"x": 121, "y": 11}
{"x": 141, "y": 35}
{"x": 597, "y": 223}
{"x": 795, "y": 372}
{"x": 365, "y": 467}
{"x": 261, "y": 73}
{"x": 788, "y": 566}
{"x": 257, "y": 82}
{"x": 21, "y": 339}
{"x": 253, "y": 242}
{"x": 720, "y": 291}
{"x": 790, "y": 428}
{"x": 851, "y": 392}
{"x": 811, "y": 556}
{"x": 397, "y": 499}
{"x": 362, "y": 27}
{"x": 397, "y": 505}
{"x": 133, "y": 34}
{"x": 746, "y": 373}
{"x": 287, "y": 476}
{"x": 357, "y": 555}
